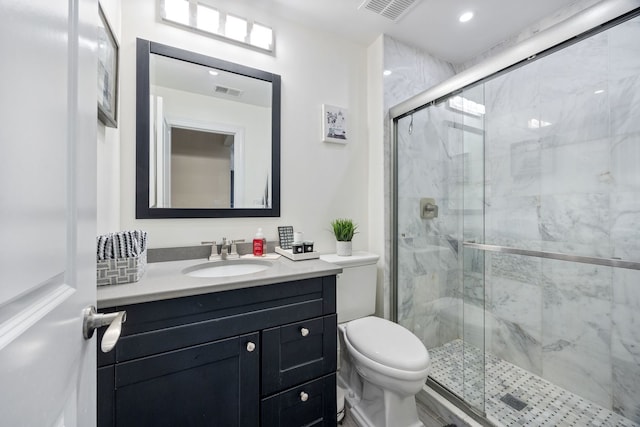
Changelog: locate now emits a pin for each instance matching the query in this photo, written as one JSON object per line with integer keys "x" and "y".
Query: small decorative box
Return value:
{"x": 288, "y": 253}
{"x": 121, "y": 270}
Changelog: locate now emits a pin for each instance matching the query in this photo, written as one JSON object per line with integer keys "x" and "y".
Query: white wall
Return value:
{"x": 108, "y": 165}
{"x": 320, "y": 181}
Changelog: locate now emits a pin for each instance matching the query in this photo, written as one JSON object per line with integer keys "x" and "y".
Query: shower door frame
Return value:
{"x": 586, "y": 23}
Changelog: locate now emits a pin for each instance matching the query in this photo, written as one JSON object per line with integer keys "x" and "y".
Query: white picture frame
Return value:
{"x": 334, "y": 124}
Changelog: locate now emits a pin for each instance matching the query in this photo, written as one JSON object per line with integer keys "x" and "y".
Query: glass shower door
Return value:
{"x": 440, "y": 283}
{"x": 473, "y": 260}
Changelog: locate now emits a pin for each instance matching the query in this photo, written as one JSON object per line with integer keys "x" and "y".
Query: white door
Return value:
{"x": 47, "y": 211}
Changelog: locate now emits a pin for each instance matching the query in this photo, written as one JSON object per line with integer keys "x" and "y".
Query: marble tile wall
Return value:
{"x": 428, "y": 264}
{"x": 624, "y": 200}
{"x": 574, "y": 186}
{"x": 625, "y": 343}
{"x": 412, "y": 71}
{"x": 568, "y": 184}
{"x": 561, "y": 156}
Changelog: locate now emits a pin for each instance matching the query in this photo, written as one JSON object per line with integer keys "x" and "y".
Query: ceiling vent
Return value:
{"x": 224, "y": 90}
{"x": 390, "y": 9}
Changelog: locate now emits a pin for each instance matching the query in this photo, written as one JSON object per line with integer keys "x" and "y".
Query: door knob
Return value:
{"x": 93, "y": 320}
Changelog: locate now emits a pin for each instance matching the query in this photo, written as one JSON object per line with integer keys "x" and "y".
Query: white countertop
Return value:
{"x": 165, "y": 280}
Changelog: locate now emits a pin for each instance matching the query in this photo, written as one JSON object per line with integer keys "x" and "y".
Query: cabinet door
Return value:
{"x": 106, "y": 389}
{"x": 298, "y": 352}
{"x": 309, "y": 404}
{"x": 213, "y": 384}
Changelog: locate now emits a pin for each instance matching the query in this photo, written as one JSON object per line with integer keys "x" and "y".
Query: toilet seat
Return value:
{"x": 387, "y": 344}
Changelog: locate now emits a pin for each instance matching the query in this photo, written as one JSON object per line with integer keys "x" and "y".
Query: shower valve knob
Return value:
{"x": 428, "y": 208}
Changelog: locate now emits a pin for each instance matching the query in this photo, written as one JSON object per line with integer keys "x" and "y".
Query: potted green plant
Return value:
{"x": 343, "y": 229}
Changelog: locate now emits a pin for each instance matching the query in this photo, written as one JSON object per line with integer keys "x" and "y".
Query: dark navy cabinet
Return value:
{"x": 309, "y": 404}
{"x": 298, "y": 352}
{"x": 263, "y": 355}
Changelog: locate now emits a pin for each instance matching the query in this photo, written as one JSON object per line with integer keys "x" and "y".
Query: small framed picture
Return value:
{"x": 334, "y": 124}
{"x": 107, "y": 73}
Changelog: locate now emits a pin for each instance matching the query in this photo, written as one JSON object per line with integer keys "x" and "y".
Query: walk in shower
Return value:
{"x": 517, "y": 234}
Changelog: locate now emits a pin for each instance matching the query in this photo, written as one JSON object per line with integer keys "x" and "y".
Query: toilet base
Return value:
{"x": 373, "y": 407}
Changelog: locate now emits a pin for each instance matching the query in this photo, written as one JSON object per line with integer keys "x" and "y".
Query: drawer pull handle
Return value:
{"x": 304, "y": 332}
{"x": 304, "y": 396}
{"x": 251, "y": 346}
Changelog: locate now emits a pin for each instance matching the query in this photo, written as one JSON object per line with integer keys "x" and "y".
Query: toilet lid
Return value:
{"x": 387, "y": 343}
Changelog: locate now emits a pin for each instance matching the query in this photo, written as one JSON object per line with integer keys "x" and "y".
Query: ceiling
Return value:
{"x": 431, "y": 25}
{"x": 188, "y": 77}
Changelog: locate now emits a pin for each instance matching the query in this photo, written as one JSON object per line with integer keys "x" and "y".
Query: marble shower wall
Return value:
{"x": 412, "y": 71}
{"x": 428, "y": 265}
{"x": 561, "y": 172}
{"x": 562, "y": 156}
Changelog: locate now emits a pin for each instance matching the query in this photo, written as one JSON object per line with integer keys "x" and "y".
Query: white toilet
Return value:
{"x": 382, "y": 364}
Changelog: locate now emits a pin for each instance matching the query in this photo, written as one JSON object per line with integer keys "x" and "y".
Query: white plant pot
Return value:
{"x": 343, "y": 248}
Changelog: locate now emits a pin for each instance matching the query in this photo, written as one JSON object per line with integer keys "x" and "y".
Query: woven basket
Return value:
{"x": 121, "y": 270}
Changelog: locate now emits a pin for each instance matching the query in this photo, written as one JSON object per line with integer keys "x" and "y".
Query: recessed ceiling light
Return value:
{"x": 599, "y": 91}
{"x": 386, "y": 73}
{"x": 465, "y": 17}
{"x": 213, "y": 73}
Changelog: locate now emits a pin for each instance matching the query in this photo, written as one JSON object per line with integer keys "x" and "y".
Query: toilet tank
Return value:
{"x": 356, "y": 285}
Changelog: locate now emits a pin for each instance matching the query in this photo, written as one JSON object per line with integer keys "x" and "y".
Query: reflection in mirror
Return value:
{"x": 200, "y": 169}
{"x": 208, "y": 136}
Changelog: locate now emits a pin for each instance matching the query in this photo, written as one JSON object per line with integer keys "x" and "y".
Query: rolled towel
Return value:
{"x": 123, "y": 244}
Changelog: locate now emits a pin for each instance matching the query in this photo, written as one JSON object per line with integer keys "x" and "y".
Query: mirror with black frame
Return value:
{"x": 207, "y": 136}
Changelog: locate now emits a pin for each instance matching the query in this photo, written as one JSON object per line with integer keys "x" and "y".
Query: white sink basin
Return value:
{"x": 226, "y": 268}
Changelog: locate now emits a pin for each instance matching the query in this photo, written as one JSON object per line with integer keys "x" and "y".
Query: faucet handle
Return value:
{"x": 233, "y": 250}
{"x": 214, "y": 249}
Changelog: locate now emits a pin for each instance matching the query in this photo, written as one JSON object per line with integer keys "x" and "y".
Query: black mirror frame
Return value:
{"x": 143, "y": 49}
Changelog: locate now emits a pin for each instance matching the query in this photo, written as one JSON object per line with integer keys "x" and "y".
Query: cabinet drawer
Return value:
{"x": 161, "y": 326}
{"x": 309, "y": 404}
{"x": 298, "y": 352}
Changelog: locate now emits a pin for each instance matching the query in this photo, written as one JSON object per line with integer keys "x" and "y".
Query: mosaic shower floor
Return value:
{"x": 546, "y": 403}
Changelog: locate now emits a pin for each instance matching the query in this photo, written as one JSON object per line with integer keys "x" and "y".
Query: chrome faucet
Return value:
{"x": 233, "y": 251}
{"x": 228, "y": 249}
{"x": 224, "y": 249}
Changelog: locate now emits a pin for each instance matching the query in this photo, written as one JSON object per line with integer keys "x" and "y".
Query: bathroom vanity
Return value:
{"x": 249, "y": 350}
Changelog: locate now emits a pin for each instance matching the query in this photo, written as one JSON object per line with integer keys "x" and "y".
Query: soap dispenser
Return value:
{"x": 258, "y": 243}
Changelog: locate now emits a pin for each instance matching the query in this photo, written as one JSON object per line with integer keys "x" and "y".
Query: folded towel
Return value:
{"x": 123, "y": 244}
